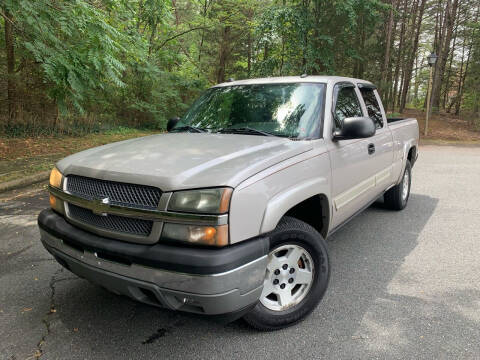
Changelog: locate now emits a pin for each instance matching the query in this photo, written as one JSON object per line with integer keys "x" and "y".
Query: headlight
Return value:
{"x": 196, "y": 234}
{"x": 210, "y": 201}
{"x": 56, "y": 178}
{"x": 56, "y": 181}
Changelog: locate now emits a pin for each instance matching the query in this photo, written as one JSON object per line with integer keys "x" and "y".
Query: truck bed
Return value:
{"x": 394, "y": 123}
{"x": 392, "y": 120}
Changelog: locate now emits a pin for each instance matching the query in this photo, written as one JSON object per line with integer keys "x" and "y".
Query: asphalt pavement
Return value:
{"x": 404, "y": 285}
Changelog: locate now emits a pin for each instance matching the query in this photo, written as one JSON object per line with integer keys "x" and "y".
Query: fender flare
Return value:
{"x": 279, "y": 205}
{"x": 406, "y": 149}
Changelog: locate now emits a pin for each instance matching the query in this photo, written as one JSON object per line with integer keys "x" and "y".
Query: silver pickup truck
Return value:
{"x": 227, "y": 214}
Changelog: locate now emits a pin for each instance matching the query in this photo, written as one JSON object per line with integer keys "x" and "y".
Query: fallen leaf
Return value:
{"x": 75, "y": 329}
{"x": 27, "y": 309}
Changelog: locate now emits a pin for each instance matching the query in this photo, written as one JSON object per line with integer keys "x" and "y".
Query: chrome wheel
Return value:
{"x": 405, "y": 185}
{"x": 288, "y": 278}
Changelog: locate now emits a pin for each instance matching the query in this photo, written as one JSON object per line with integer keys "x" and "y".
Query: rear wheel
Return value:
{"x": 296, "y": 278}
{"x": 397, "y": 197}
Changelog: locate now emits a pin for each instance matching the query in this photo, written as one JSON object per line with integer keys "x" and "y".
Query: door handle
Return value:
{"x": 371, "y": 149}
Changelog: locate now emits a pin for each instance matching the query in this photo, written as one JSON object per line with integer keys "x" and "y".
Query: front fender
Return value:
{"x": 258, "y": 204}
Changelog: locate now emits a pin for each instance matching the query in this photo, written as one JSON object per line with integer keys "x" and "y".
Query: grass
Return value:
{"x": 21, "y": 157}
{"x": 394, "y": 115}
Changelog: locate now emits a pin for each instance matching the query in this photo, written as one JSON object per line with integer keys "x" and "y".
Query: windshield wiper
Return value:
{"x": 188, "y": 127}
{"x": 245, "y": 131}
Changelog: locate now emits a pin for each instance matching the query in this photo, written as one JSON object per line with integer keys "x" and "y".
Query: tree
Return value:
{"x": 415, "y": 36}
{"x": 444, "y": 41}
{"x": 106, "y": 63}
{"x": 9, "y": 50}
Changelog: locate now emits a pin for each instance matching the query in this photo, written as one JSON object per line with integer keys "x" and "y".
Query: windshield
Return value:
{"x": 288, "y": 110}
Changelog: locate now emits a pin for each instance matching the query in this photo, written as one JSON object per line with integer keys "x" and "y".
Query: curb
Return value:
{"x": 458, "y": 143}
{"x": 25, "y": 181}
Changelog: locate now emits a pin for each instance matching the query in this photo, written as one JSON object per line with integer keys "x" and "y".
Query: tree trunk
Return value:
{"x": 463, "y": 78}
{"x": 459, "y": 86}
{"x": 438, "y": 35}
{"x": 305, "y": 5}
{"x": 223, "y": 54}
{"x": 202, "y": 37}
{"x": 152, "y": 38}
{"x": 444, "y": 50}
{"x": 411, "y": 58}
{"x": 397, "y": 100}
{"x": 399, "y": 55}
{"x": 408, "y": 45}
{"x": 363, "y": 39}
{"x": 462, "y": 83}
{"x": 250, "y": 15}
{"x": 282, "y": 56}
{"x": 417, "y": 78}
{"x": 174, "y": 6}
{"x": 249, "y": 54}
{"x": 9, "y": 48}
{"x": 449, "y": 72}
{"x": 388, "y": 87}
{"x": 388, "y": 41}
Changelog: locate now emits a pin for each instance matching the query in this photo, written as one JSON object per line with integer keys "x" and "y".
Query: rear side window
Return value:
{"x": 373, "y": 108}
{"x": 347, "y": 105}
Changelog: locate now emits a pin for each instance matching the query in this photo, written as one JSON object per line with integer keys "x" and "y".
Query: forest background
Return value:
{"x": 106, "y": 70}
{"x": 81, "y": 66}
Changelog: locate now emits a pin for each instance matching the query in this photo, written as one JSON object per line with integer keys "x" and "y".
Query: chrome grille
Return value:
{"x": 111, "y": 222}
{"x": 122, "y": 194}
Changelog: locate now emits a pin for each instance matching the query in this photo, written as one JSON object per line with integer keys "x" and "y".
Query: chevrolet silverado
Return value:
{"x": 227, "y": 213}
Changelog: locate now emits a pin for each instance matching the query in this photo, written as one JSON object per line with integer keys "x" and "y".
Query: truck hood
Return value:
{"x": 183, "y": 160}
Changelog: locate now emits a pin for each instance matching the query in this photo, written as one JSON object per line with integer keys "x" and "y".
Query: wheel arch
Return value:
{"x": 303, "y": 202}
{"x": 314, "y": 211}
{"x": 412, "y": 154}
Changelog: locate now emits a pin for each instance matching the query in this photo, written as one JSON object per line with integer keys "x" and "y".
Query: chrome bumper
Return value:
{"x": 211, "y": 294}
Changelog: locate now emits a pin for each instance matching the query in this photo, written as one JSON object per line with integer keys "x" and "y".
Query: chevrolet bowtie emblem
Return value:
{"x": 101, "y": 206}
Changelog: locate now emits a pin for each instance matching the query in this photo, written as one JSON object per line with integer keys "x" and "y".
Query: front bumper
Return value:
{"x": 205, "y": 281}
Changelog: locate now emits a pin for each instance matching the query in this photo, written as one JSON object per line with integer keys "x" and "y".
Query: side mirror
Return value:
{"x": 355, "y": 128}
{"x": 172, "y": 122}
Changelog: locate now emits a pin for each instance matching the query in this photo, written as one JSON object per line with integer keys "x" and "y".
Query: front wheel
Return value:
{"x": 296, "y": 278}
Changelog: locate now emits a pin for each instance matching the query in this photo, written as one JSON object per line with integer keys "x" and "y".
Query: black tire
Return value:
{"x": 291, "y": 231}
{"x": 393, "y": 198}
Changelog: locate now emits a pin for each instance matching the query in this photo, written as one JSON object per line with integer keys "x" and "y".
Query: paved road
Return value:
{"x": 404, "y": 285}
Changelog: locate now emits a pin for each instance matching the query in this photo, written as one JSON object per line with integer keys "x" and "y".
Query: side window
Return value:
{"x": 347, "y": 105}
{"x": 372, "y": 106}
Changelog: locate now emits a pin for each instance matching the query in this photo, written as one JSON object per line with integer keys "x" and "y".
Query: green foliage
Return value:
{"x": 317, "y": 37}
{"x": 74, "y": 43}
{"x": 118, "y": 64}
{"x": 471, "y": 99}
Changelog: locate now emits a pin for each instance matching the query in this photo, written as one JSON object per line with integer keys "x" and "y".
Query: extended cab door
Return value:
{"x": 382, "y": 157}
{"x": 353, "y": 168}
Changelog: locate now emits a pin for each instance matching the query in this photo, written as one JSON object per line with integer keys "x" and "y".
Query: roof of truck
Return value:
{"x": 294, "y": 79}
